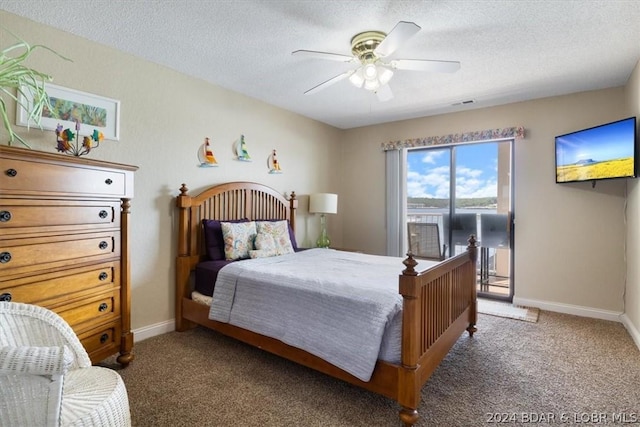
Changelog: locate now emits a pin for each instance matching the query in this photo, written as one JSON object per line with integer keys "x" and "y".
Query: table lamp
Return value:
{"x": 323, "y": 203}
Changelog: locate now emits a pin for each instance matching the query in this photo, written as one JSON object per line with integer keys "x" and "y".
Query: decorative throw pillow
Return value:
{"x": 265, "y": 242}
{"x": 213, "y": 240}
{"x": 279, "y": 231}
{"x": 238, "y": 239}
{"x": 292, "y": 234}
{"x": 262, "y": 253}
{"x": 265, "y": 246}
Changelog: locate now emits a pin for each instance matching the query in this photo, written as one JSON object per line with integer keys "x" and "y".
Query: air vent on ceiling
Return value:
{"x": 467, "y": 102}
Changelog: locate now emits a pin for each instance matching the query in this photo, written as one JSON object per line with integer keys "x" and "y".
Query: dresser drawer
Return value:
{"x": 95, "y": 310}
{"x": 62, "y": 287}
{"x": 45, "y": 216}
{"x": 60, "y": 179}
{"x": 101, "y": 342}
{"x": 38, "y": 253}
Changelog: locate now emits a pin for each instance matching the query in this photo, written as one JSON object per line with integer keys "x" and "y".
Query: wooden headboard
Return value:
{"x": 229, "y": 201}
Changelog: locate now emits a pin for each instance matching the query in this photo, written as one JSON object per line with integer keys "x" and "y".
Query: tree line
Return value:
{"x": 472, "y": 202}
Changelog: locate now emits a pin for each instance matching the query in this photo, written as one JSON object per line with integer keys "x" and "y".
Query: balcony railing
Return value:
{"x": 490, "y": 230}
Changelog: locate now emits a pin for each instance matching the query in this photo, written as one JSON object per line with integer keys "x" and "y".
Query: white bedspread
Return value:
{"x": 333, "y": 304}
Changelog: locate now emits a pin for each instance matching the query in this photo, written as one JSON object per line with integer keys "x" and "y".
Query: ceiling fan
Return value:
{"x": 370, "y": 49}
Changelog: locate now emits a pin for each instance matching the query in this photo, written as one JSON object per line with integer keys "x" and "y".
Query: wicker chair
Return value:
{"x": 46, "y": 377}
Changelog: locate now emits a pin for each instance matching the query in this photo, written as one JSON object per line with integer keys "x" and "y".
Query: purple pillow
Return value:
{"x": 213, "y": 239}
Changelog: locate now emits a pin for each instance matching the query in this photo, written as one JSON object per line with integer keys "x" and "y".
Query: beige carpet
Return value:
{"x": 508, "y": 310}
{"x": 563, "y": 365}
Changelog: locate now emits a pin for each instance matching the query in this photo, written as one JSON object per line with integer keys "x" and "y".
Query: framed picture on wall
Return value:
{"x": 69, "y": 106}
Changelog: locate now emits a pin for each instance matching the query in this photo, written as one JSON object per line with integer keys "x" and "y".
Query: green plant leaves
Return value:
{"x": 25, "y": 82}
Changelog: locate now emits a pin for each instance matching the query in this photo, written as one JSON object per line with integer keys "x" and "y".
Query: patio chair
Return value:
{"x": 46, "y": 377}
{"x": 424, "y": 241}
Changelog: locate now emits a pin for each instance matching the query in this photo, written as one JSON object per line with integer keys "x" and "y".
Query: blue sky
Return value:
{"x": 476, "y": 171}
{"x": 614, "y": 141}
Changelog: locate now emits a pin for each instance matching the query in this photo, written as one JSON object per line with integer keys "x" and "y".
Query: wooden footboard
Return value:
{"x": 439, "y": 303}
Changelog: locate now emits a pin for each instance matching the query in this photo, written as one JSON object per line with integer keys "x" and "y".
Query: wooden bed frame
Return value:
{"x": 439, "y": 304}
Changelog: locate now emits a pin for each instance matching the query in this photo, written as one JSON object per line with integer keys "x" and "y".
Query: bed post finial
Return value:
{"x": 472, "y": 247}
{"x": 410, "y": 263}
{"x": 293, "y": 205}
{"x": 183, "y": 189}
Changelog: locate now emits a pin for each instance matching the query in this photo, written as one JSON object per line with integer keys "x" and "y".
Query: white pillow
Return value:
{"x": 265, "y": 241}
{"x": 265, "y": 246}
{"x": 238, "y": 239}
{"x": 279, "y": 230}
{"x": 262, "y": 253}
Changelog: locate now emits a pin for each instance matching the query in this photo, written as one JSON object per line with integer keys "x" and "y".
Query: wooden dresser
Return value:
{"x": 64, "y": 243}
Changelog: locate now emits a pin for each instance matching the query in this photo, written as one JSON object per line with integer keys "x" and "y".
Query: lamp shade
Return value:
{"x": 323, "y": 203}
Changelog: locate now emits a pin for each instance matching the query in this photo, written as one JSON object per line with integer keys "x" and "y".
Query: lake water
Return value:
{"x": 440, "y": 211}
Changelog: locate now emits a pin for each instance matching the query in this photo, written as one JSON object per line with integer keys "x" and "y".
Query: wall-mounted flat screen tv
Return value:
{"x": 602, "y": 152}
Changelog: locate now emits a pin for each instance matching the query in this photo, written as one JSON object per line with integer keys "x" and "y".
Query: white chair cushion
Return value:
{"x": 94, "y": 396}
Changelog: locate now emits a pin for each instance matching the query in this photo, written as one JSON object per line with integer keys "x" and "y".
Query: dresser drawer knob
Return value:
{"x": 11, "y": 172}
{"x": 5, "y": 257}
{"x": 103, "y": 307}
{"x": 103, "y": 214}
{"x": 6, "y": 297}
{"x": 103, "y": 276}
{"x": 108, "y": 181}
{"x": 104, "y": 338}
{"x": 103, "y": 245}
{"x": 5, "y": 216}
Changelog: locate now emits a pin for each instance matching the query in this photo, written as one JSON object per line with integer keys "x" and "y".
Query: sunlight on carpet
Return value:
{"x": 504, "y": 309}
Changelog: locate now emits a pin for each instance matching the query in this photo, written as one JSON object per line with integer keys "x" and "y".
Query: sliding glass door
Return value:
{"x": 466, "y": 189}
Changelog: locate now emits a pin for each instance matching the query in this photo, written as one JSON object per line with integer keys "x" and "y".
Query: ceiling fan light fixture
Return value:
{"x": 370, "y": 72}
{"x": 372, "y": 84}
{"x": 374, "y": 73}
{"x": 384, "y": 75}
{"x": 357, "y": 78}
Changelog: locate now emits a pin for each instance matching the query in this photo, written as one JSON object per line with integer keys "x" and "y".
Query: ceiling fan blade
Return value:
{"x": 324, "y": 55}
{"x": 402, "y": 32}
{"x": 426, "y": 65}
{"x": 384, "y": 93}
{"x": 329, "y": 82}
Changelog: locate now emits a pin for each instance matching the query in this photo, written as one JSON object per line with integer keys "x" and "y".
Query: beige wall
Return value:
{"x": 164, "y": 119}
{"x": 632, "y": 296}
{"x": 569, "y": 246}
{"x": 569, "y": 239}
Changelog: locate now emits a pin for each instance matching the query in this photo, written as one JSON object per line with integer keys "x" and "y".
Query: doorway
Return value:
{"x": 467, "y": 189}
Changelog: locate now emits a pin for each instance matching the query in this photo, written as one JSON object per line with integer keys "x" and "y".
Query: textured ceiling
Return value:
{"x": 509, "y": 50}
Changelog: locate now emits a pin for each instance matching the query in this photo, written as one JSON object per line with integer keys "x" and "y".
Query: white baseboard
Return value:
{"x": 631, "y": 328}
{"x": 153, "y": 330}
{"x": 576, "y": 310}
